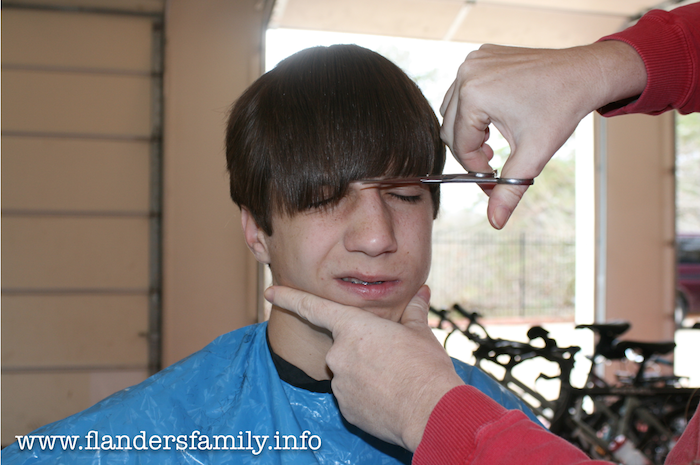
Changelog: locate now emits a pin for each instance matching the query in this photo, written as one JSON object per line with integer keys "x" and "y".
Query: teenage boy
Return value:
{"x": 300, "y": 143}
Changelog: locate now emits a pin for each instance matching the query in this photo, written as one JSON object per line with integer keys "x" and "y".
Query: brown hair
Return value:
{"x": 323, "y": 118}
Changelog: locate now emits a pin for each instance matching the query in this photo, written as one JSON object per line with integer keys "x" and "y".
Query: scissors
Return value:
{"x": 470, "y": 176}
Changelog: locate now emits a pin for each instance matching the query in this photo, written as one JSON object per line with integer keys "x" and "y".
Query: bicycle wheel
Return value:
{"x": 674, "y": 413}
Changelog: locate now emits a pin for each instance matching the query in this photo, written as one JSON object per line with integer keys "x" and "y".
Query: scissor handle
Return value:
{"x": 479, "y": 174}
{"x": 516, "y": 181}
{"x": 484, "y": 178}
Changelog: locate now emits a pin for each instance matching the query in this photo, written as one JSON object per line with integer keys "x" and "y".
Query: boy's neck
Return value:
{"x": 300, "y": 343}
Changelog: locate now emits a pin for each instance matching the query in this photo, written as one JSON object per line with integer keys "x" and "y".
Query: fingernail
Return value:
{"x": 500, "y": 217}
{"x": 269, "y": 294}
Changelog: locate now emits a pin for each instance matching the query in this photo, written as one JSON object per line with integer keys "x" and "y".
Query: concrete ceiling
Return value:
{"x": 533, "y": 23}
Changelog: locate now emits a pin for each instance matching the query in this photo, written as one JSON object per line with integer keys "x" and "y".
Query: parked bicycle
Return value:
{"x": 640, "y": 416}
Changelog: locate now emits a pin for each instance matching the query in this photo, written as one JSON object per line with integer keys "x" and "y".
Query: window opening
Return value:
{"x": 527, "y": 270}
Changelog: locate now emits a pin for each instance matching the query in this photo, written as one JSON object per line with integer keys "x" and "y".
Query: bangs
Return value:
{"x": 361, "y": 117}
{"x": 334, "y": 115}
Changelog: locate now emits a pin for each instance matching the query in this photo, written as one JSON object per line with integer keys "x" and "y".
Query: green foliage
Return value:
{"x": 688, "y": 173}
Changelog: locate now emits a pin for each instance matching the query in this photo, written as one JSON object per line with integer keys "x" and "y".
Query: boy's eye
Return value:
{"x": 406, "y": 198}
{"x": 411, "y": 194}
{"x": 326, "y": 199}
{"x": 320, "y": 204}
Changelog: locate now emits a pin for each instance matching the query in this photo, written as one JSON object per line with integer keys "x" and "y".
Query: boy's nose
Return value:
{"x": 370, "y": 227}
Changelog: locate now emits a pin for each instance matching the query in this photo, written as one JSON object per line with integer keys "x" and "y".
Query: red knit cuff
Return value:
{"x": 659, "y": 40}
{"x": 450, "y": 435}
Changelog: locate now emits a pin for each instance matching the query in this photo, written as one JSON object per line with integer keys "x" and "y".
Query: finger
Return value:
{"x": 477, "y": 160}
{"x": 448, "y": 111}
{"x": 416, "y": 312}
{"x": 470, "y": 133}
{"x": 448, "y": 97}
{"x": 474, "y": 156}
{"x": 318, "y": 311}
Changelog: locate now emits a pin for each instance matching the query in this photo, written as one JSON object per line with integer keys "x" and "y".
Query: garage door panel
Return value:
{"x": 92, "y": 41}
{"x": 53, "y": 174}
{"x": 74, "y": 252}
{"x": 74, "y": 330}
{"x": 80, "y": 249}
{"x": 85, "y": 104}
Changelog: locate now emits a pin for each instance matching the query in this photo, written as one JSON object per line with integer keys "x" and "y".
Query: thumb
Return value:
{"x": 502, "y": 201}
{"x": 416, "y": 313}
{"x": 526, "y": 161}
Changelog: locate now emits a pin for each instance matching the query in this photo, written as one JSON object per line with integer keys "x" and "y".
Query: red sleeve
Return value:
{"x": 687, "y": 450}
{"x": 669, "y": 44}
{"x": 467, "y": 427}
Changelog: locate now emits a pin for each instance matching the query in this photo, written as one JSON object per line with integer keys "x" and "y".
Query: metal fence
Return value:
{"x": 504, "y": 275}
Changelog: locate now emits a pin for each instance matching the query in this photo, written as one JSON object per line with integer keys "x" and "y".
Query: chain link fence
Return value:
{"x": 504, "y": 274}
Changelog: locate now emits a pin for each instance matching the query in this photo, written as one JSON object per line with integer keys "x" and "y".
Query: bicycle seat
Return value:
{"x": 607, "y": 338}
{"x": 610, "y": 330}
{"x": 648, "y": 348}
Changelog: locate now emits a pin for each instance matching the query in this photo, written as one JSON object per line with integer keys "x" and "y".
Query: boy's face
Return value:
{"x": 372, "y": 250}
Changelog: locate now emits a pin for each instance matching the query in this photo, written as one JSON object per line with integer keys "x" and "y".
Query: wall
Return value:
{"x": 639, "y": 224}
{"x": 209, "y": 278}
{"x": 83, "y": 241}
{"x": 77, "y": 125}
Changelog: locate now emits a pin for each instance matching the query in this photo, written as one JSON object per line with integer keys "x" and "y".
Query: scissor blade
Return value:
{"x": 479, "y": 178}
{"x": 471, "y": 177}
{"x": 489, "y": 178}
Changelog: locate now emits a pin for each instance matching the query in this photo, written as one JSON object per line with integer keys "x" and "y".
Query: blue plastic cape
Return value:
{"x": 223, "y": 404}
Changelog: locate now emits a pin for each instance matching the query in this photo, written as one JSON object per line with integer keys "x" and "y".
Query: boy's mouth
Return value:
{"x": 359, "y": 281}
{"x": 368, "y": 286}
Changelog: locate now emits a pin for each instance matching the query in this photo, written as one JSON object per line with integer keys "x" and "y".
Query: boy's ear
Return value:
{"x": 254, "y": 237}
